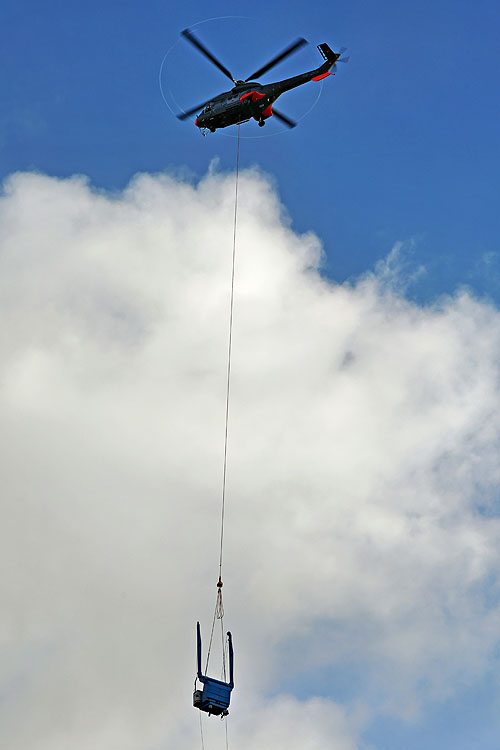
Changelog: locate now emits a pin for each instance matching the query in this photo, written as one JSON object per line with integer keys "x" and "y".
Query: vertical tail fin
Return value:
{"x": 327, "y": 53}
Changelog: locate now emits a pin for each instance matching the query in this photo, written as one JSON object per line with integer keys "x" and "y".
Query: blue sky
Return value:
{"x": 402, "y": 147}
{"x": 403, "y": 144}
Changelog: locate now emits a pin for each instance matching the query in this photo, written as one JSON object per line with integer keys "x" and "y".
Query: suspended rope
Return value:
{"x": 230, "y": 343}
{"x": 211, "y": 699}
{"x": 219, "y": 607}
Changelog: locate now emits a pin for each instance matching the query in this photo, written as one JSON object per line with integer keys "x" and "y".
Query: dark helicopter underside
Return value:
{"x": 239, "y": 105}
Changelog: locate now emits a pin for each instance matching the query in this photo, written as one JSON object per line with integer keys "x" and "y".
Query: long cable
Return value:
{"x": 219, "y": 609}
{"x": 224, "y": 471}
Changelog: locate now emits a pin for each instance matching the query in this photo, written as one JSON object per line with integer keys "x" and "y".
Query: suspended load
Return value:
{"x": 216, "y": 694}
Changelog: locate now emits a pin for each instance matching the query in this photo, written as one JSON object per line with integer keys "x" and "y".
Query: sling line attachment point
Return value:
{"x": 219, "y": 607}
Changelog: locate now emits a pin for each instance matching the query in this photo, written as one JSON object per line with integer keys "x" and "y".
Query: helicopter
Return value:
{"x": 248, "y": 98}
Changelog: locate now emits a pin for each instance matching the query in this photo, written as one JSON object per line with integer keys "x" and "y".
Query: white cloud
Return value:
{"x": 362, "y": 531}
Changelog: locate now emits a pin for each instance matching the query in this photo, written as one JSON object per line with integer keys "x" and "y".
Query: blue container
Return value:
{"x": 216, "y": 695}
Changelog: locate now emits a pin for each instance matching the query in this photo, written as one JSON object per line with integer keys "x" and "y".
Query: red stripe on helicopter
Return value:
{"x": 318, "y": 78}
{"x": 256, "y": 95}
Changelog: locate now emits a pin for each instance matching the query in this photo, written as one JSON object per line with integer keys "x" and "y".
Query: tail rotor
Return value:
{"x": 340, "y": 59}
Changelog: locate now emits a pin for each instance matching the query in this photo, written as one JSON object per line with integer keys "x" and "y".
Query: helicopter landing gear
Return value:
{"x": 262, "y": 123}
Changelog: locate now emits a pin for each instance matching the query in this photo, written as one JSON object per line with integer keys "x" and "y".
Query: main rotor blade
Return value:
{"x": 283, "y": 118}
{"x": 185, "y": 115}
{"x": 201, "y": 47}
{"x": 288, "y": 51}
